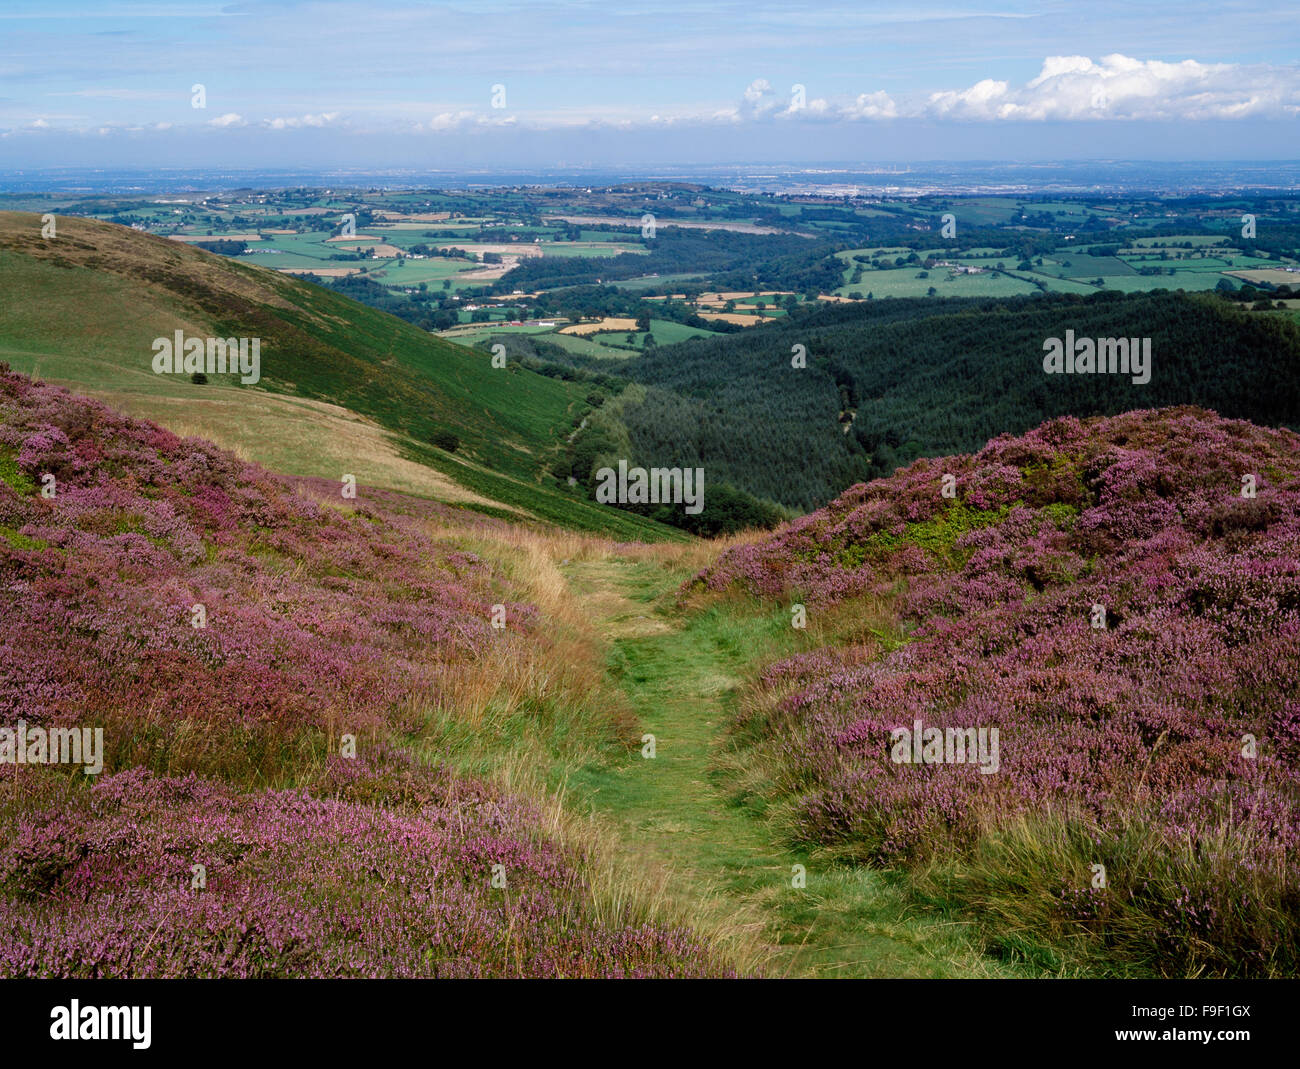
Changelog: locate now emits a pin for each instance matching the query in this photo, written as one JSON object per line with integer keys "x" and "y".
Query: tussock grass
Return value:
{"x": 1154, "y": 915}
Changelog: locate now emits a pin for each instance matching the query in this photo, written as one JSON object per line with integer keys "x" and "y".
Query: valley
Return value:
{"x": 802, "y": 494}
{"x": 598, "y": 615}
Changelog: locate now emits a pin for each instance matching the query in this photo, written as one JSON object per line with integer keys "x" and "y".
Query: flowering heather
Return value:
{"x": 1142, "y": 720}
{"x": 100, "y": 883}
{"x": 323, "y": 617}
{"x": 330, "y": 615}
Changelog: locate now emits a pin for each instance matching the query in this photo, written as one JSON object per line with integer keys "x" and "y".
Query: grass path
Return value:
{"x": 681, "y": 673}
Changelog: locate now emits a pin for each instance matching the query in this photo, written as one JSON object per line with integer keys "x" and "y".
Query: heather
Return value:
{"x": 100, "y": 883}
{"x": 1160, "y": 740}
{"x": 319, "y": 617}
{"x": 299, "y": 743}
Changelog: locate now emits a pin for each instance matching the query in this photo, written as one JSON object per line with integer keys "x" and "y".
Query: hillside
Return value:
{"x": 1110, "y": 599}
{"x": 889, "y": 381}
{"x": 343, "y": 389}
{"x": 278, "y": 677}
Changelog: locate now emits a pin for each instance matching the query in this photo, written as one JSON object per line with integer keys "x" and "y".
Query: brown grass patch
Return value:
{"x": 606, "y": 325}
{"x": 735, "y": 317}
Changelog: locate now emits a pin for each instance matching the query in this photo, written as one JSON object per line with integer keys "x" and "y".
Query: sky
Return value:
{"x": 572, "y": 83}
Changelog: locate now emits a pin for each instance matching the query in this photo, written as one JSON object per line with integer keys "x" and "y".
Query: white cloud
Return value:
{"x": 1067, "y": 88}
{"x": 761, "y": 101}
{"x": 758, "y": 101}
{"x": 1121, "y": 87}
{"x": 453, "y": 120}
{"x": 878, "y": 105}
{"x": 461, "y": 120}
{"x": 324, "y": 119}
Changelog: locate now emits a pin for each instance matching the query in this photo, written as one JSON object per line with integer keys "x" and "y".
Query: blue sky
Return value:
{"x": 596, "y": 83}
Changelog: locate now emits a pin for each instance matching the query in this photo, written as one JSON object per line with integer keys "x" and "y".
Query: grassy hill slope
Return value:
{"x": 273, "y": 677}
{"x": 343, "y": 389}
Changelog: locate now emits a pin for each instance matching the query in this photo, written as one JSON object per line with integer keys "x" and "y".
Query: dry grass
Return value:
{"x": 733, "y": 317}
{"x": 291, "y": 435}
{"x": 607, "y": 325}
{"x": 505, "y": 248}
{"x": 324, "y": 272}
{"x": 547, "y": 695}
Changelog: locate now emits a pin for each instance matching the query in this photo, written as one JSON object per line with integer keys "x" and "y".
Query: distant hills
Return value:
{"x": 343, "y": 388}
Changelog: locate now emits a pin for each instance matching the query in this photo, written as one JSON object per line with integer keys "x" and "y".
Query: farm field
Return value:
{"x": 426, "y": 256}
{"x": 1166, "y": 262}
{"x": 905, "y": 283}
{"x": 591, "y": 347}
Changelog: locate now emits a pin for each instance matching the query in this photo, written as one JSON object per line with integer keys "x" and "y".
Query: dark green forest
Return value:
{"x": 773, "y": 261}
{"x": 891, "y": 381}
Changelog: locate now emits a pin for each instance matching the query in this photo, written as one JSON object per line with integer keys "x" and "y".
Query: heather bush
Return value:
{"x": 100, "y": 883}
{"x": 320, "y": 617}
{"x": 1175, "y": 722}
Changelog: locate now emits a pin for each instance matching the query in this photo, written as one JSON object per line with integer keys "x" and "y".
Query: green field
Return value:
{"x": 1071, "y": 269}
{"x": 586, "y": 248}
{"x": 903, "y": 282}
{"x": 666, "y": 332}
{"x": 588, "y": 347}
